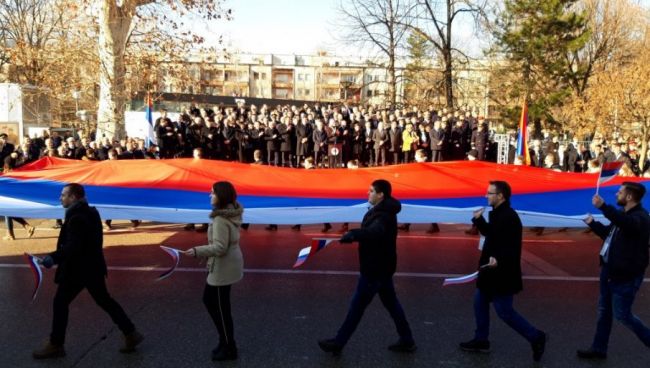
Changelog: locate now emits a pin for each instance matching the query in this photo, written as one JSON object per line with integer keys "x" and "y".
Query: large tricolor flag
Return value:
{"x": 522, "y": 139}
{"x": 176, "y": 191}
{"x": 148, "y": 111}
{"x": 316, "y": 245}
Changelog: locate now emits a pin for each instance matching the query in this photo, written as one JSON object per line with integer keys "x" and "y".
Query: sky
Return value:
{"x": 303, "y": 27}
{"x": 300, "y": 27}
{"x": 279, "y": 26}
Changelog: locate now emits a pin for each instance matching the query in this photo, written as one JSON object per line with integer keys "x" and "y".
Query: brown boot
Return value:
{"x": 50, "y": 351}
{"x": 131, "y": 341}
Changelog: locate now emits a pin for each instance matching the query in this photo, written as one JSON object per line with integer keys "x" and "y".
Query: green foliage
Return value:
{"x": 538, "y": 36}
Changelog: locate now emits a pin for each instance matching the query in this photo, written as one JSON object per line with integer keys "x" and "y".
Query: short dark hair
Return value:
{"x": 76, "y": 190}
{"x": 382, "y": 186}
{"x": 636, "y": 190}
{"x": 503, "y": 188}
{"x": 225, "y": 193}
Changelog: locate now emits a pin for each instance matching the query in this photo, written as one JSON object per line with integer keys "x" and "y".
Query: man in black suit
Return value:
{"x": 499, "y": 276}
{"x": 81, "y": 263}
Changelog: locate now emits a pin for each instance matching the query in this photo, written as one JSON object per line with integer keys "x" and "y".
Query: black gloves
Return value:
{"x": 47, "y": 262}
{"x": 347, "y": 237}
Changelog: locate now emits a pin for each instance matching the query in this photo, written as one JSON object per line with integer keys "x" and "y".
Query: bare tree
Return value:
{"x": 160, "y": 28}
{"x": 434, "y": 20}
{"x": 379, "y": 25}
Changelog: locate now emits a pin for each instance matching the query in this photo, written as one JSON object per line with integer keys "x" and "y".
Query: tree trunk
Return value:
{"x": 392, "y": 81}
{"x": 644, "y": 145}
{"x": 114, "y": 27}
{"x": 449, "y": 80}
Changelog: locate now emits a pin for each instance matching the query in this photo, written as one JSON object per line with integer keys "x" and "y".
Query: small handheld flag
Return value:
{"x": 316, "y": 245}
{"x": 608, "y": 172}
{"x": 33, "y": 263}
{"x": 176, "y": 257}
{"x": 460, "y": 280}
{"x": 522, "y": 139}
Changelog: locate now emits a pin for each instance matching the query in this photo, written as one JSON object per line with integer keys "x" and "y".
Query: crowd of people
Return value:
{"x": 333, "y": 136}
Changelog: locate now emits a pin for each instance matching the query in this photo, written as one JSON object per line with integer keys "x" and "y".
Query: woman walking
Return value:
{"x": 225, "y": 264}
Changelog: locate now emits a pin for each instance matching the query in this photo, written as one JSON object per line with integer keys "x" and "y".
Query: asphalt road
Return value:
{"x": 280, "y": 313}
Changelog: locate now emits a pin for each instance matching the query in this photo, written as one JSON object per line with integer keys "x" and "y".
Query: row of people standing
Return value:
{"x": 286, "y": 140}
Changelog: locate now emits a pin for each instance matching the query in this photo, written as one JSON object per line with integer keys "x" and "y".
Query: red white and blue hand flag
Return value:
{"x": 34, "y": 264}
{"x": 176, "y": 257}
{"x": 460, "y": 280}
{"x": 316, "y": 245}
{"x": 608, "y": 171}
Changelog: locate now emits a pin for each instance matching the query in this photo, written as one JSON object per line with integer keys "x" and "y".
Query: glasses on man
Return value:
{"x": 492, "y": 193}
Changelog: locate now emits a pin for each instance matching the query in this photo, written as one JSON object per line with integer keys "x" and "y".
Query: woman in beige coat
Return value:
{"x": 225, "y": 264}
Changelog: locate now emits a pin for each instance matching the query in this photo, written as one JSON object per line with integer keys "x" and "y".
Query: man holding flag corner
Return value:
{"x": 377, "y": 239}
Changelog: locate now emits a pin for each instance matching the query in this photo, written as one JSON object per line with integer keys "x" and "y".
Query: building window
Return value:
{"x": 256, "y": 75}
{"x": 263, "y": 76}
{"x": 307, "y": 92}
{"x": 300, "y": 77}
{"x": 306, "y": 77}
{"x": 369, "y": 93}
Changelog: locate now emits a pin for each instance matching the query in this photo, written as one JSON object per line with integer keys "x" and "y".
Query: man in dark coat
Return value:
{"x": 480, "y": 141}
{"x": 377, "y": 239}
{"x": 438, "y": 136}
{"x": 499, "y": 277}
{"x": 81, "y": 263}
{"x": 623, "y": 260}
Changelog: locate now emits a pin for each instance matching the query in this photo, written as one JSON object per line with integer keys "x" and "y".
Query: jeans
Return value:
{"x": 366, "y": 290}
{"x": 616, "y": 299}
{"x": 68, "y": 291}
{"x": 505, "y": 311}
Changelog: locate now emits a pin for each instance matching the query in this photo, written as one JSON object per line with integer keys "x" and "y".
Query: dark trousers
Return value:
{"x": 272, "y": 157}
{"x": 217, "y": 301}
{"x": 505, "y": 311}
{"x": 366, "y": 290}
{"x": 380, "y": 156}
{"x": 616, "y": 299}
{"x": 436, "y": 156}
{"x": 9, "y": 221}
{"x": 68, "y": 291}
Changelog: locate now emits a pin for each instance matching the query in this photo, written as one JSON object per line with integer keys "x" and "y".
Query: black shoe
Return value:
{"x": 434, "y": 228}
{"x": 295, "y": 227}
{"x": 245, "y": 226}
{"x": 591, "y": 354}
{"x": 330, "y": 346}
{"x": 188, "y": 227}
{"x": 272, "y": 227}
{"x": 226, "y": 353}
{"x": 326, "y": 227}
{"x": 475, "y": 346}
{"x": 203, "y": 228}
{"x": 217, "y": 349}
{"x": 405, "y": 227}
{"x": 403, "y": 347}
{"x": 538, "y": 346}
